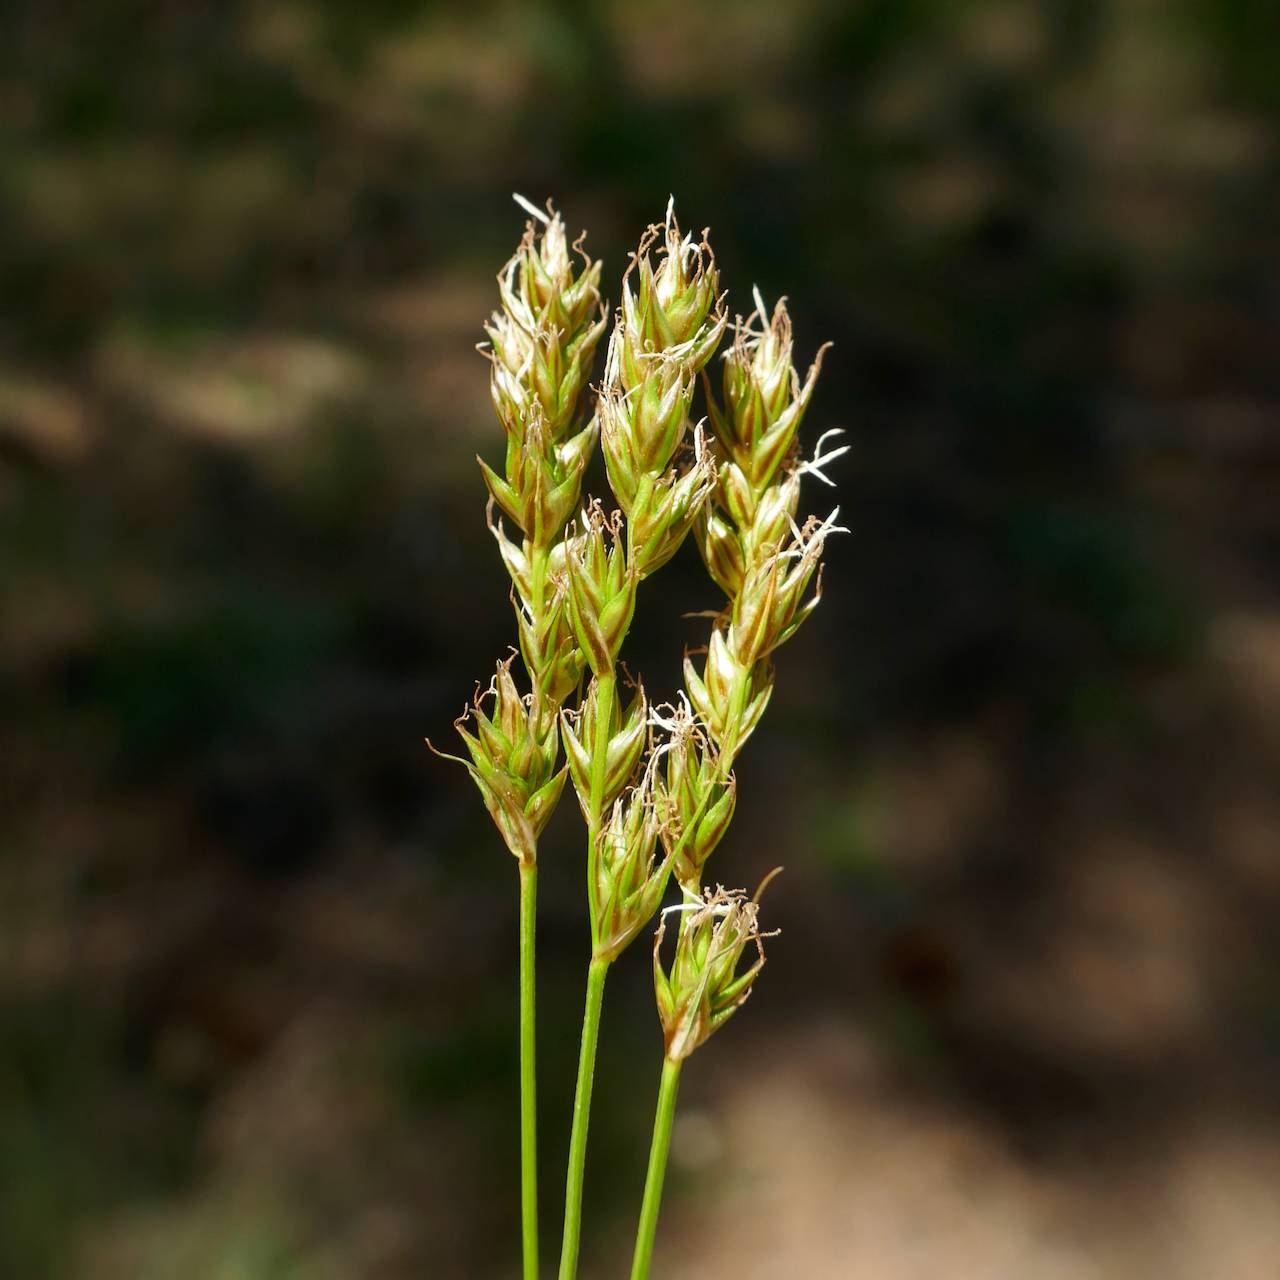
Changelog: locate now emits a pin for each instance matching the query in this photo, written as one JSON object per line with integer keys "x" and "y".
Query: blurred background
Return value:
{"x": 257, "y": 947}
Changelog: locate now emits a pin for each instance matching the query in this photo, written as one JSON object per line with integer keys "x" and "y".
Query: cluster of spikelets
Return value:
{"x": 655, "y": 783}
{"x": 704, "y": 985}
{"x": 576, "y": 569}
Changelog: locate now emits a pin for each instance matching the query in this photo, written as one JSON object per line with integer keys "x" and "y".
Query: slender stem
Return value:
{"x": 528, "y": 1074}
{"x": 600, "y": 761}
{"x": 596, "y": 974}
{"x": 657, "y": 1169}
{"x": 538, "y": 559}
{"x": 599, "y": 767}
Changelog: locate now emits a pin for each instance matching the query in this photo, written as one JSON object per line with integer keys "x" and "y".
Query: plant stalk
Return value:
{"x": 596, "y": 973}
{"x": 528, "y": 1073}
{"x": 599, "y": 767}
{"x": 658, "y": 1150}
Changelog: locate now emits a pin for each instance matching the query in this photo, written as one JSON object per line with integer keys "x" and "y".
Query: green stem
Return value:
{"x": 538, "y": 558}
{"x": 600, "y": 761}
{"x": 657, "y": 1169}
{"x": 528, "y": 1074}
{"x": 596, "y": 973}
{"x": 599, "y": 767}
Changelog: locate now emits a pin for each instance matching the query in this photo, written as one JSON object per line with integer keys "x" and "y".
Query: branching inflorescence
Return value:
{"x": 655, "y": 784}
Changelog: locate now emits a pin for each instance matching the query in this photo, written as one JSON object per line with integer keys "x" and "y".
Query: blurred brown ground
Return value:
{"x": 256, "y": 947}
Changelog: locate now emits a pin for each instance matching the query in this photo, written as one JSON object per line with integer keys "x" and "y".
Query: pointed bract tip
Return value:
{"x": 529, "y": 207}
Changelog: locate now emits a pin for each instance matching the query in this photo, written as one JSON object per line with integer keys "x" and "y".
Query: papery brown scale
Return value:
{"x": 626, "y": 745}
{"x": 503, "y": 494}
{"x": 629, "y": 880}
{"x": 722, "y": 671}
{"x": 620, "y": 464}
{"x": 496, "y": 744}
{"x": 513, "y": 558}
{"x": 737, "y": 495}
{"x": 572, "y": 454}
{"x": 507, "y": 698}
{"x": 772, "y": 449}
{"x": 751, "y": 634}
{"x": 721, "y": 551}
{"x": 698, "y": 693}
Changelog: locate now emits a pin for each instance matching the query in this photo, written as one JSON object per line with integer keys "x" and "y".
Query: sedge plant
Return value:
{"x": 655, "y": 784}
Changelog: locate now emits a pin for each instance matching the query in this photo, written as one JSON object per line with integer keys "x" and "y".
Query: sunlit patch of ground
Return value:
{"x": 50, "y": 420}
{"x": 824, "y": 1167}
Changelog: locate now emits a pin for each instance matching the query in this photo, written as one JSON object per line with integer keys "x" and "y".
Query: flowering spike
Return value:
{"x": 574, "y": 589}
{"x": 580, "y": 731}
{"x": 728, "y": 696}
{"x": 771, "y": 604}
{"x": 697, "y": 796}
{"x": 671, "y": 506}
{"x": 601, "y": 588}
{"x": 763, "y": 397}
{"x": 629, "y": 879}
{"x": 512, "y": 761}
{"x": 703, "y": 987}
{"x": 670, "y": 322}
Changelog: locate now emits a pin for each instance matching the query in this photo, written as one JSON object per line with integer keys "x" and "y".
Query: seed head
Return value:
{"x": 666, "y": 507}
{"x": 601, "y": 587}
{"x": 703, "y": 987}
{"x": 673, "y": 307}
{"x": 627, "y": 880}
{"x": 542, "y": 341}
{"x": 729, "y": 696}
{"x": 545, "y": 334}
{"x": 642, "y": 427}
{"x": 697, "y": 796}
{"x": 547, "y": 643}
{"x": 764, "y": 398}
{"x": 549, "y": 647}
{"x": 772, "y": 602}
{"x": 543, "y": 480}
{"x": 512, "y": 753}
{"x": 627, "y": 733}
